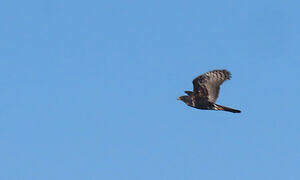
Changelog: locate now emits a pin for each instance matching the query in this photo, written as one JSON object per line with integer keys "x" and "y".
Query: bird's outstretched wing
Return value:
{"x": 208, "y": 84}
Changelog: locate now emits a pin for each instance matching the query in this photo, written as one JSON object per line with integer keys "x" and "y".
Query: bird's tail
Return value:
{"x": 224, "y": 108}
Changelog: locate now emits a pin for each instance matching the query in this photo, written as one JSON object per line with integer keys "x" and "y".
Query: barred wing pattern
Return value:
{"x": 208, "y": 84}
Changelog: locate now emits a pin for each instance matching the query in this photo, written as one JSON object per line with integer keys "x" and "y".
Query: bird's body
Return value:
{"x": 206, "y": 91}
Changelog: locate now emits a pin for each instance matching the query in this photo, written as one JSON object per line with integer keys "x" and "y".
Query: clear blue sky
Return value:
{"x": 88, "y": 90}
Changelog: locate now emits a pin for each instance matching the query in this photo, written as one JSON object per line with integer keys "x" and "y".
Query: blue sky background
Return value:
{"x": 88, "y": 90}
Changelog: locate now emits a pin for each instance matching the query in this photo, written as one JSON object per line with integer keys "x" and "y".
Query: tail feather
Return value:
{"x": 224, "y": 108}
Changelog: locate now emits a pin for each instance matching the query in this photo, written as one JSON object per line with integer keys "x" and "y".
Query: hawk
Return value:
{"x": 206, "y": 91}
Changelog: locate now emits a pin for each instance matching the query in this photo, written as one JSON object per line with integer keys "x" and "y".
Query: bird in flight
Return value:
{"x": 206, "y": 91}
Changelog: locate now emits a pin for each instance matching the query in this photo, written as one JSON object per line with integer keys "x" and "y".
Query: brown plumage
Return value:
{"x": 206, "y": 91}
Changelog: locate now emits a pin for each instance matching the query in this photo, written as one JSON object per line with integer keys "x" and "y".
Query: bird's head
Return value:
{"x": 185, "y": 99}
